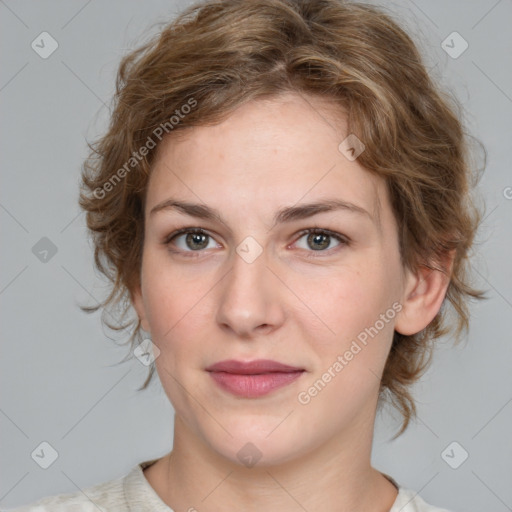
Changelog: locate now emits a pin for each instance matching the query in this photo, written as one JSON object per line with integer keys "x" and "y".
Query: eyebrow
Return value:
{"x": 287, "y": 214}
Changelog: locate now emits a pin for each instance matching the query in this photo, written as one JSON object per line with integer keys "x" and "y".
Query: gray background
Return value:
{"x": 59, "y": 378}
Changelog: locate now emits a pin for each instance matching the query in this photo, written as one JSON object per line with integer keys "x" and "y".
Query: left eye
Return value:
{"x": 320, "y": 239}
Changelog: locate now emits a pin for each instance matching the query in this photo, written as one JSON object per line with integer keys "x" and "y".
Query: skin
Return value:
{"x": 283, "y": 306}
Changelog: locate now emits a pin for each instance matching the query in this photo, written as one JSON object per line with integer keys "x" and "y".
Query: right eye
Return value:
{"x": 189, "y": 240}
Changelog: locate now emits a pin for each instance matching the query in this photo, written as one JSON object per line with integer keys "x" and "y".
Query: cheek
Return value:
{"x": 169, "y": 296}
{"x": 352, "y": 301}
{"x": 350, "y": 362}
{"x": 353, "y": 356}
{"x": 175, "y": 305}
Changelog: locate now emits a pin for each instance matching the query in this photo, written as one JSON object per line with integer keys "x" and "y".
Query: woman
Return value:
{"x": 282, "y": 195}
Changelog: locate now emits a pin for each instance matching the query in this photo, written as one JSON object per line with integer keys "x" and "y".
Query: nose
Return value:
{"x": 250, "y": 302}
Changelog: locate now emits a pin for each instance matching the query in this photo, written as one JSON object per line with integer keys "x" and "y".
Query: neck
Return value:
{"x": 335, "y": 476}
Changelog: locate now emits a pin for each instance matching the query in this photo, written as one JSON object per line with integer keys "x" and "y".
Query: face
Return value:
{"x": 257, "y": 284}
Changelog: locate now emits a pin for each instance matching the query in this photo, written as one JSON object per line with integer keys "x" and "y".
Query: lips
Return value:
{"x": 253, "y": 379}
{"x": 252, "y": 367}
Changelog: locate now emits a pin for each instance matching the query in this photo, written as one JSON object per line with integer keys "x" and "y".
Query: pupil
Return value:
{"x": 315, "y": 237}
{"x": 195, "y": 238}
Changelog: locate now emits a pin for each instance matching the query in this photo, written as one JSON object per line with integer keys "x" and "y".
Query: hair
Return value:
{"x": 216, "y": 56}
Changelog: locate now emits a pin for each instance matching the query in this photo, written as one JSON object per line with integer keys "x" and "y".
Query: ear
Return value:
{"x": 424, "y": 292}
{"x": 138, "y": 304}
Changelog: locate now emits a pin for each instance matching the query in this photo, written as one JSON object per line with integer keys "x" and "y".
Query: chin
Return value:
{"x": 261, "y": 453}
{"x": 253, "y": 447}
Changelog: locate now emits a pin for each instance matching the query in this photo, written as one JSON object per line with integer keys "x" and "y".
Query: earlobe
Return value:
{"x": 424, "y": 292}
{"x": 138, "y": 304}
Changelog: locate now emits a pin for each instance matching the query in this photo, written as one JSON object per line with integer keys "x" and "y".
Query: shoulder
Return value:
{"x": 410, "y": 501}
{"x": 130, "y": 492}
{"x": 104, "y": 496}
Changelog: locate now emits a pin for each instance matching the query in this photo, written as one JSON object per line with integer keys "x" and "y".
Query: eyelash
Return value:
{"x": 344, "y": 241}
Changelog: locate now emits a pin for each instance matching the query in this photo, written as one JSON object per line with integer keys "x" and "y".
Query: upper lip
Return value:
{"x": 252, "y": 367}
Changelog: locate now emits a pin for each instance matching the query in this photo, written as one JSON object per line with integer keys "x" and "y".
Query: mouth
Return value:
{"x": 253, "y": 379}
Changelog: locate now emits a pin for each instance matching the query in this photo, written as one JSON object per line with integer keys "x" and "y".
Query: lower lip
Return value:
{"x": 253, "y": 386}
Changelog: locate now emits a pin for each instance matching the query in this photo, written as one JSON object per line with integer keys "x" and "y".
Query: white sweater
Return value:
{"x": 133, "y": 493}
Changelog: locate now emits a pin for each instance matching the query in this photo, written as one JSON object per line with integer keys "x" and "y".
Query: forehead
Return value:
{"x": 266, "y": 154}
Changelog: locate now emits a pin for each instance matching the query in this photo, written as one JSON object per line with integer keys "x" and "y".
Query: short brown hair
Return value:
{"x": 218, "y": 55}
